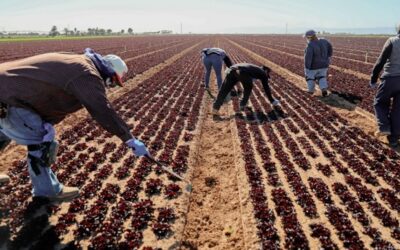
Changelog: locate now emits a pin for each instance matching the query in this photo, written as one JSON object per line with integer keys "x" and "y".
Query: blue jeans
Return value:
{"x": 318, "y": 75}
{"x": 26, "y": 128}
{"x": 213, "y": 61}
{"x": 387, "y": 107}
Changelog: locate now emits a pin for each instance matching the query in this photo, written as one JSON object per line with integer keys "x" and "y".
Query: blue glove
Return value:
{"x": 373, "y": 85}
{"x": 138, "y": 147}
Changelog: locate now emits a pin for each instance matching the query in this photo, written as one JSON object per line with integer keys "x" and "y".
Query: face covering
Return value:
{"x": 104, "y": 68}
{"x": 111, "y": 82}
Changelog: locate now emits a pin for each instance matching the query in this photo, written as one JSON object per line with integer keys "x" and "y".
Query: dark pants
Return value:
{"x": 387, "y": 107}
{"x": 229, "y": 83}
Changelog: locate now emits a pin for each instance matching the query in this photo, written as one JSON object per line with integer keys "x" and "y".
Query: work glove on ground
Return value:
{"x": 138, "y": 147}
{"x": 276, "y": 103}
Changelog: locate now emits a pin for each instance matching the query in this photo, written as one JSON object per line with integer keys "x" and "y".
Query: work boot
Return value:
{"x": 227, "y": 98}
{"x": 4, "y": 144}
{"x": 393, "y": 145}
{"x": 4, "y": 179}
{"x": 215, "y": 112}
{"x": 382, "y": 133}
{"x": 393, "y": 141}
{"x": 66, "y": 194}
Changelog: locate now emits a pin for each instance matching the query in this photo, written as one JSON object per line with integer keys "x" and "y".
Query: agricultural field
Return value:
{"x": 308, "y": 176}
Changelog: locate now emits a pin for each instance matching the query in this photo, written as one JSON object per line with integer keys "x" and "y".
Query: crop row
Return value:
{"x": 300, "y": 152}
{"x": 352, "y": 88}
{"x": 118, "y": 192}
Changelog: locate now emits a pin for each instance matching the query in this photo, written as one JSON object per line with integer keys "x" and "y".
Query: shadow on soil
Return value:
{"x": 254, "y": 117}
{"x": 36, "y": 233}
{"x": 341, "y": 100}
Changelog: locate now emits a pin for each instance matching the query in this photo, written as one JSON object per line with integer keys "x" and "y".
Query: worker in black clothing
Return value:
{"x": 213, "y": 58}
{"x": 387, "y": 99}
{"x": 246, "y": 73}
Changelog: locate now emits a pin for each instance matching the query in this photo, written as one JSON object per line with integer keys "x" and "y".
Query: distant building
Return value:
{"x": 160, "y": 32}
{"x": 165, "y": 31}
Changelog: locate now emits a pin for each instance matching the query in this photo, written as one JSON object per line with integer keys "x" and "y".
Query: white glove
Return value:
{"x": 138, "y": 147}
{"x": 373, "y": 85}
{"x": 226, "y": 71}
{"x": 51, "y": 133}
{"x": 276, "y": 102}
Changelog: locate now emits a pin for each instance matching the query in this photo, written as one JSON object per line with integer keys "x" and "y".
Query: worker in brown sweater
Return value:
{"x": 40, "y": 91}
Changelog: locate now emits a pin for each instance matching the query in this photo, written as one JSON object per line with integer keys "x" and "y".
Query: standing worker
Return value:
{"x": 387, "y": 99}
{"x": 246, "y": 73}
{"x": 39, "y": 91}
{"x": 212, "y": 58}
{"x": 317, "y": 58}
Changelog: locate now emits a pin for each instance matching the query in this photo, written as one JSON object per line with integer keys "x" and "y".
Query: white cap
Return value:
{"x": 118, "y": 65}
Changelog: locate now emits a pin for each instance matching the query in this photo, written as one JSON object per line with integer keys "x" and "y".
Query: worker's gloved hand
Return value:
{"x": 276, "y": 103}
{"x": 227, "y": 70}
{"x": 138, "y": 147}
{"x": 373, "y": 85}
{"x": 51, "y": 133}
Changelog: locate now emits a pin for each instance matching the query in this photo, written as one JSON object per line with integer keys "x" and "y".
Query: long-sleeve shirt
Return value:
{"x": 389, "y": 60}
{"x": 57, "y": 84}
{"x": 247, "y": 72}
{"x": 317, "y": 54}
{"x": 220, "y": 52}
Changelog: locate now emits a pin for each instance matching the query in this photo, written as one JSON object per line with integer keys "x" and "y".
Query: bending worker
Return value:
{"x": 317, "y": 58}
{"x": 246, "y": 73}
{"x": 387, "y": 99}
{"x": 212, "y": 58}
{"x": 39, "y": 91}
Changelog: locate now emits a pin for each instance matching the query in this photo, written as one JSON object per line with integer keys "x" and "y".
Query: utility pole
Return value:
{"x": 181, "y": 28}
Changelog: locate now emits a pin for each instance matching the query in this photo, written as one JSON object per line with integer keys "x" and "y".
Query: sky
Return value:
{"x": 202, "y": 16}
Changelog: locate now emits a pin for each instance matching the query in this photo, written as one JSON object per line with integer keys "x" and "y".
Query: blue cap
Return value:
{"x": 310, "y": 33}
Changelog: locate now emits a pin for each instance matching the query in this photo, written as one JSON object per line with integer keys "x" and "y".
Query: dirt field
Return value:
{"x": 308, "y": 176}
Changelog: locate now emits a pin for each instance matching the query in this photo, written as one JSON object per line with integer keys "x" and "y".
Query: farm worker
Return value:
{"x": 317, "y": 58}
{"x": 40, "y": 91}
{"x": 246, "y": 73}
{"x": 387, "y": 99}
{"x": 213, "y": 58}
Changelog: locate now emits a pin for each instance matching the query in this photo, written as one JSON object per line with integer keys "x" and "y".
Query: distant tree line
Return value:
{"x": 89, "y": 32}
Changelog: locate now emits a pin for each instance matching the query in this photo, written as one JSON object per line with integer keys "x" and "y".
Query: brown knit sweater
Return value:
{"x": 56, "y": 84}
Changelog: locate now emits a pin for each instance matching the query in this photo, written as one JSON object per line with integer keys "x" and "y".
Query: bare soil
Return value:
{"x": 214, "y": 220}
